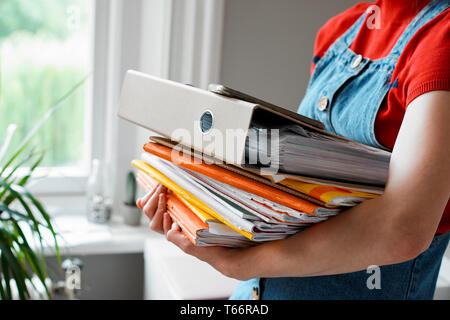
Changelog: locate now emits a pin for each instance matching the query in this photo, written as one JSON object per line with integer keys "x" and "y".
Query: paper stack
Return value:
{"x": 238, "y": 204}
{"x": 215, "y": 206}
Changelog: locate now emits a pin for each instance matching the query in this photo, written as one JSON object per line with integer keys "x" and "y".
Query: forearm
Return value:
{"x": 391, "y": 229}
{"x": 353, "y": 240}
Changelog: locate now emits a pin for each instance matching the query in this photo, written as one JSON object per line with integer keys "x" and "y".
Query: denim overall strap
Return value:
{"x": 346, "y": 89}
{"x": 332, "y": 91}
{"x": 388, "y": 64}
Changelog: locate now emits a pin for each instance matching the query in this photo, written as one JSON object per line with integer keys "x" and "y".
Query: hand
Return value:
{"x": 154, "y": 206}
{"x": 225, "y": 260}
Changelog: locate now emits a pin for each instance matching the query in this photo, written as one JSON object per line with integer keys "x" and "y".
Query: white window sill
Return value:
{"x": 78, "y": 236}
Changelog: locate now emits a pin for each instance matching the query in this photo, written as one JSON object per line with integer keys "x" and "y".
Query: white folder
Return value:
{"x": 207, "y": 122}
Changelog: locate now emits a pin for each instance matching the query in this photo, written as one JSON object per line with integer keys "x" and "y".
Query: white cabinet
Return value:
{"x": 173, "y": 275}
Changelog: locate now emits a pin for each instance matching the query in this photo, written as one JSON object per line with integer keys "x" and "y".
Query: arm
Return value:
{"x": 391, "y": 229}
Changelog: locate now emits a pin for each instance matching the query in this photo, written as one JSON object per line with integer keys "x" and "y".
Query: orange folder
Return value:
{"x": 189, "y": 222}
{"x": 231, "y": 178}
{"x": 204, "y": 212}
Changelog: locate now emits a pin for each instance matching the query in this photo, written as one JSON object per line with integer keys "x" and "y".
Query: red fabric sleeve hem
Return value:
{"x": 424, "y": 87}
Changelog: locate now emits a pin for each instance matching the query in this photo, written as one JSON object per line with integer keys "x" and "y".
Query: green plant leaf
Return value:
{"x": 21, "y": 249}
{"x": 25, "y": 206}
{"x": 25, "y": 178}
{"x": 47, "y": 219}
{"x": 18, "y": 192}
{"x": 6, "y": 277}
{"x": 26, "y": 159}
{"x": 16, "y": 254}
{"x": 10, "y": 177}
{"x": 38, "y": 268}
{"x": 19, "y": 273}
{"x": 16, "y": 215}
{"x": 8, "y": 137}
{"x": 13, "y": 157}
{"x": 2, "y": 290}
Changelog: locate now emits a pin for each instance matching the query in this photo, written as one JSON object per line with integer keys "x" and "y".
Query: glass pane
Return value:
{"x": 45, "y": 50}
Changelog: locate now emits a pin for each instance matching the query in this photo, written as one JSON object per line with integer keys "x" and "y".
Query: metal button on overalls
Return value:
{"x": 323, "y": 104}
{"x": 357, "y": 61}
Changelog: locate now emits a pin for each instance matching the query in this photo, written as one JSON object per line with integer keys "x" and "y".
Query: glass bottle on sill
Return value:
{"x": 98, "y": 203}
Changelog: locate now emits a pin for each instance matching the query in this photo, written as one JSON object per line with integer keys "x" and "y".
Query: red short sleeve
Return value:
{"x": 424, "y": 65}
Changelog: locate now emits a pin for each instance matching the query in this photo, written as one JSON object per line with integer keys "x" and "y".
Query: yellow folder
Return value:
{"x": 191, "y": 201}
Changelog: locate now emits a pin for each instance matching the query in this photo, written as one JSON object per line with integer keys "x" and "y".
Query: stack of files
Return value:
{"x": 230, "y": 209}
{"x": 304, "y": 148}
{"x": 304, "y": 152}
{"x": 230, "y": 201}
{"x": 200, "y": 228}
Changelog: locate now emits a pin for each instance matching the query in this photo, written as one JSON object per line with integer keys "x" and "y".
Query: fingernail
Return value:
{"x": 174, "y": 226}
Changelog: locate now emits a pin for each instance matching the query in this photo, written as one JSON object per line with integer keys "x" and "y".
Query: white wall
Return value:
{"x": 268, "y": 45}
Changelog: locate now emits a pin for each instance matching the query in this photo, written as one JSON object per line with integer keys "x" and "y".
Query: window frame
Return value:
{"x": 72, "y": 180}
{"x": 145, "y": 35}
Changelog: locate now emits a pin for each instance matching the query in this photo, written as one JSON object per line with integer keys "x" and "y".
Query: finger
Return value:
{"x": 142, "y": 201}
{"x": 151, "y": 205}
{"x": 157, "y": 221}
{"x": 167, "y": 223}
{"x": 178, "y": 238}
{"x": 176, "y": 227}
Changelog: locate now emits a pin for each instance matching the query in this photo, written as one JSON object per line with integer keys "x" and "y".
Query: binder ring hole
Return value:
{"x": 206, "y": 121}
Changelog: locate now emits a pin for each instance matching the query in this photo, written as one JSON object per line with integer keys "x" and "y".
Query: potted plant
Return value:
{"x": 23, "y": 219}
{"x": 131, "y": 214}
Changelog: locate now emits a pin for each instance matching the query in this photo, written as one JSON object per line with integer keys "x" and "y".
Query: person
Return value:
{"x": 385, "y": 83}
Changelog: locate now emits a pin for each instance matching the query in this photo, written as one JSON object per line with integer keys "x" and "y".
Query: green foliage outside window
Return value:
{"x": 43, "y": 50}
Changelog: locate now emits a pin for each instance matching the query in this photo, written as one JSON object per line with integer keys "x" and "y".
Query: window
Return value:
{"x": 45, "y": 50}
{"x": 47, "y": 46}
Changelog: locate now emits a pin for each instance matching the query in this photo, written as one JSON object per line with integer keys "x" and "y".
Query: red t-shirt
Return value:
{"x": 423, "y": 66}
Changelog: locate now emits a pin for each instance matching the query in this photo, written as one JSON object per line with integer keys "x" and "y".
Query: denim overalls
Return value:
{"x": 345, "y": 93}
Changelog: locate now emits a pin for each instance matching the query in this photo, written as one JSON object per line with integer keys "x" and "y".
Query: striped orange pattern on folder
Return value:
{"x": 330, "y": 194}
{"x": 188, "y": 199}
{"x": 188, "y": 221}
{"x": 231, "y": 178}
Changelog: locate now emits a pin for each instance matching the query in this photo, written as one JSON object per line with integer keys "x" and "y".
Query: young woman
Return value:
{"x": 385, "y": 83}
